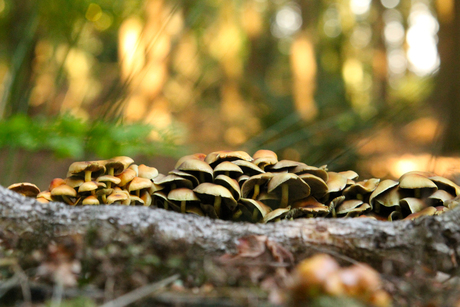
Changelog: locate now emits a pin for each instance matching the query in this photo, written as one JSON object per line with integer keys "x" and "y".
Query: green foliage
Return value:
{"x": 67, "y": 136}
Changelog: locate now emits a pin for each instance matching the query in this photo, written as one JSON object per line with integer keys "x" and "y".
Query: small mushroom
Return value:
{"x": 229, "y": 183}
{"x": 90, "y": 201}
{"x": 336, "y": 182}
{"x": 148, "y": 172}
{"x": 44, "y": 197}
{"x": 307, "y": 169}
{"x": 264, "y": 157}
{"x": 276, "y": 215}
{"x": 138, "y": 184}
{"x": 172, "y": 182}
{"x": 200, "y": 169}
{"x": 117, "y": 165}
{"x": 439, "y": 198}
{"x": 126, "y": 176}
{"x": 319, "y": 188}
{"x": 427, "y": 211}
{"x": 25, "y": 188}
{"x": 352, "y": 207}
{"x": 283, "y": 166}
{"x": 359, "y": 189}
{"x": 85, "y": 168}
{"x": 228, "y": 169}
{"x": 307, "y": 207}
{"x": 65, "y": 192}
{"x": 196, "y": 156}
{"x": 74, "y": 182}
{"x": 216, "y": 157}
{"x": 446, "y": 185}
{"x": 411, "y": 205}
{"x": 119, "y": 197}
{"x": 210, "y": 193}
{"x": 420, "y": 185}
{"x": 289, "y": 186}
{"x": 258, "y": 209}
{"x": 248, "y": 168}
{"x": 251, "y": 187}
{"x": 183, "y": 196}
{"x": 185, "y": 175}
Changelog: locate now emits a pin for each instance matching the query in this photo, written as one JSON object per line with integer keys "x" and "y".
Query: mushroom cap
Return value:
{"x": 90, "y": 200}
{"x": 256, "y": 205}
{"x": 336, "y": 182}
{"x": 25, "y": 188}
{"x": 185, "y": 175}
{"x": 265, "y": 153}
{"x": 348, "y": 206}
{"x": 182, "y": 194}
{"x": 170, "y": 179}
{"x": 439, "y": 197}
{"x": 249, "y": 184}
{"x": 163, "y": 197}
{"x": 135, "y": 168}
{"x": 411, "y": 205}
{"x": 194, "y": 167}
{"x": 90, "y": 186}
{"x": 119, "y": 164}
{"x": 196, "y": 156}
{"x": 383, "y": 186}
{"x": 226, "y": 166}
{"x": 318, "y": 187}
{"x": 64, "y": 190}
{"x": 206, "y": 192}
{"x": 275, "y": 214}
{"x": 126, "y": 176}
{"x": 80, "y": 167}
{"x": 146, "y": 197}
{"x": 309, "y": 201}
{"x": 283, "y": 165}
{"x": 242, "y": 179}
{"x": 148, "y": 172}
{"x": 446, "y": 184}
{"x": 139, "y": 183}
{"x": 231, "y": 184}
{"x": 55, "y": 183}
{"x": 427, "y": 211}
{"x": 298, "y": 188}
{"x": 109, "y": 178}
{"x": 362, "y": 187}
{"x": 248, "y": 168}
{"x": 118, "y": 197}
{"x": 307, "y": 169}
{"x": 74, "y": 182}
{"x": 416, "y": 181}
{"x": 218, "y": 156}
{"x": 135, "y": 200}
{"x": 46, "y": 195}
{"x": 350, "y": 174}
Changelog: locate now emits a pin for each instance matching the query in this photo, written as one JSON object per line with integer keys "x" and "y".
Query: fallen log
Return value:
{"x": 430, "y": 241}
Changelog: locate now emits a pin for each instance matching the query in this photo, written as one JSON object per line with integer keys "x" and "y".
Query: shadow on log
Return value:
{"x": 431, "y": 241}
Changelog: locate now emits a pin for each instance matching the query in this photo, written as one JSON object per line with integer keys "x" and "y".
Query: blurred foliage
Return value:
{"x": 69, "y": 137}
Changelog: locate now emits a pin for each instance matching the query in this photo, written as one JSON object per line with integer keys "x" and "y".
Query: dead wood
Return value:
{"x": 431, "y": 241}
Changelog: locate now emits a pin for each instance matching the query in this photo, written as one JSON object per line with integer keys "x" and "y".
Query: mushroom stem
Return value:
{"x": 237, "y": 214}
{"x": 111, "y": 171}
{"x": 417, "y": 193}
{"x": 201, "y": 177}
{"x": 217, "y": 202}
{"x": 67, "y": 200}
{"x": 284, "y": 195}
{"x": 255, "y": 214}
{"x": 104, "y": 199}
{"x": 256, "y": 191}
{"x": 182, "y": 206}
{"x": 87, "y": 176}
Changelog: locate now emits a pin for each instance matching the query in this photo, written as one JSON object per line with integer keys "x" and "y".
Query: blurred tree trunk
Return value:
{"x": 446, "y": 96}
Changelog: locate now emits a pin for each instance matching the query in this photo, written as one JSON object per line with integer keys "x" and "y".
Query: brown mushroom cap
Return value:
{"x": 228, "y": 168}
{"x": 307, "y": 169}
{"x": 210, "y": 193}
{"x": 90, "y": 200}
{"x": 55, "y": 183}
{"x": 264, "y": 157}
{"x": 283, "y": 166}
{"x": 248, "y": 168}
{"x": 200, "y": 169}
{"x": 173, "y": 181}
{"x": 361, "y": 188}
{"x": 290, "y": 186}
{"x": 109, "y": 178}
{"x": 196, "y": 156}
{"x": 160, "y": 198}
{"x": 126, "y": 176}
{"x": 185, "y": 175}
{"x": 148, "y": 172}
{"x": 25, "y": 188}
{"x": 216, "y": 157}
{"x": 259, "y": 209}
{"x": 120, "y": 197}
{"x": 308, "y": 207}
{"x": 117, "y": 165}
{"x": 74, "y": 182}
{"x": 85, "y": 168}
{"x": 181, "y": 198}
{"x": 254, "y": 182}
{"x": 383, "y": 186}
{"x": 352, "y": 175}
{"x": 427, "y": 211}
{"x": 336, "y": 182}
{"x": 65, "y": 192}
{"x": 276, "y": 215}
{"x": 411, "y": 205}
{"x": 319, "y": 188}
{"x": 45, "y": 195}
{"x": 229, "y": 183}
{"x": 139, "y": 183}
{"x": 348, "y": 206}
{"x": 90, "y": 186}
{"x": 440, "y": 197}
{"x": 446, "y": 184}
{"x": 416, "y": 185}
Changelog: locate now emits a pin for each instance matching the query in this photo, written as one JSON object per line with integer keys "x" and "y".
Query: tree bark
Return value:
{"x": 430, "y": 241}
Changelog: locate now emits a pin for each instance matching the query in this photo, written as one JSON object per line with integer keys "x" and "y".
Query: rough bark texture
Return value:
{"x": 432, "y": 241}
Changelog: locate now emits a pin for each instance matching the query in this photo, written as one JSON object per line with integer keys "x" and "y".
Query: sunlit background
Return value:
{"x": 348, "y": 83}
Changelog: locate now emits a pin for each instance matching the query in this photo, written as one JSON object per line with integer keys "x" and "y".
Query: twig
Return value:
{"x": 139, "y": 293}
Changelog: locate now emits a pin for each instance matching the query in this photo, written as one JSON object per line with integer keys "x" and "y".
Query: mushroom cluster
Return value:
{"x": 233, "y": 185}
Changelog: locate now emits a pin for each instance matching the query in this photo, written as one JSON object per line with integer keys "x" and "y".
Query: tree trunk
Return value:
{"x": 431, "y": 241}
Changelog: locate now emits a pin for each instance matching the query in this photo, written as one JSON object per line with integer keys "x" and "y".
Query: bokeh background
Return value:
{"x": 369, "y": 85}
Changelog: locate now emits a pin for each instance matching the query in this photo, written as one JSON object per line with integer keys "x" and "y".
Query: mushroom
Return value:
{"x": 229, "y": 183}
{"x": 117, "y": 165}
{"x": 446, "y": 184}
{"x": 307, "y": 169}
{"x": 200, "y": 169}
{"x": 183, "y": 196}
{"x": 210, "y": 193}
{"x": 44, "y": 197}
{"x": 336, "y": 182}
{"x": 248, "y": 168}
{"x": 418, "y": 184}
{"x": 138, "y": 184}
{"x": 55, "y": 183}
{"x": 319, "y": 188}
{"x": 385, "y": 197}
{"x": 148, "y": 172}
{"x": 289, "y": 186}
{"x": 352, "y": 207}
{"x": 25, "y": 188}
{"x": 90, "y": 186}
{"x": 251, "y": 187}
{"x": 258, "y": 209}
{"x": 119, "y": 197}
{"x": 427, "y": 211}
{"x": 228, "y": 169}
{"x": 185, "y": 175}
{"x": 146, "y": 198}
{"x": 196, "y": 156}
{"x": 411, "y": 205}
{"x": 440, "y": 197}
{"x": 109, "y": 180}
{"x": 359, "y": 189}
{"x": 283, "y": 166}
{"x": 90, "y": 200}
{"x": 65, "y": 192}
{"x": 172, "y": 182}
{"x": 264, "y": 157}
{"x": 126, "y": 176}
{"x": 216, "y": 157}
{"x": 74, "y": 182}
{"x": 162, "y": 198}
{"x": 276, "y": 215}
{"x": 308, "y": 207}
{"x": 86, "y": 169}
